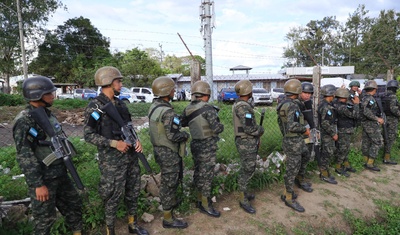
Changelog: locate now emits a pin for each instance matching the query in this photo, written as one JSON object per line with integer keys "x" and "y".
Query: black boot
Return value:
{"x": 136, "y": 229}
{"x": 292, "y": 204}
{"x": 350, "y": 169}
{"x": 249, "y": 196}
{"x": 303, "y": 185}
{"x": 175, "y": 223}
{"x": 342, "y": 171}
{"x": 110, "y": 230}
{"x": 209, "y": 209}
{"x": 329, "y": 179}
{"x": 389, "y": 162}
{"x": 247, "y": 207}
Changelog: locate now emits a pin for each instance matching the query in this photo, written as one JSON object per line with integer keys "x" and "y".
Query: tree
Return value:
{"x": 34, "y": 14}
{"x": 71, "y": 52}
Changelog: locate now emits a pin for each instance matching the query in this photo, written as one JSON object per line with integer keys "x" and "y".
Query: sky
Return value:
{"x": 248, "y": 32}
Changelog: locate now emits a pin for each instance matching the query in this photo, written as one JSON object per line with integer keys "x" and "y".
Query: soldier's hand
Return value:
{"x": 123, "y": 146}
{"x": 381, "y": 121}
{"x": 138, "y": 147}
{"x": 335, "y": 137}
{"x": 356, "y": 100}
{"x": 307, "y": 132}
{"x": 42, "y": 193}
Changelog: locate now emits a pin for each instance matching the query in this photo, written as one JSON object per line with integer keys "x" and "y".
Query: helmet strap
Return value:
{"x": 45, "y": 103}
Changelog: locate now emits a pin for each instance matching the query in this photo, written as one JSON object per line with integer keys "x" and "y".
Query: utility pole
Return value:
{"x": 161, "y": 52}
{"x": 21, "y": 37}
{"x": 206, "y": 27}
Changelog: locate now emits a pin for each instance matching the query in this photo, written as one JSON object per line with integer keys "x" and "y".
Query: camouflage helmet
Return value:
{"x": 201, "y": 87}
{"x": 162, "y": 86}
{"x": 342, "y": 93}
{"x": 328, "y": 90}
{"x": 243, "y": 87}
{"x": 307, "y": 87}
{"x": 104, "y": 76}
{"x": 292, "y": 86}
{"x": 392, "y": 84}
{"x": 35, "y": 87}
{"x": 354, "y": 83}
{"x": 371, "y": 84}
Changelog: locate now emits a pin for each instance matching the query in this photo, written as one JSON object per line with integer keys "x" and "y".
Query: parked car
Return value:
{"x": 144, "y": 94}
{"x": 126, "y": 95}
{"x": 262, "y": 96}
{"x": 85, "y": 94}
{"x": 275, "y": 92}
{"x": 182, "y": 95}
{"x": 227, "y": 95}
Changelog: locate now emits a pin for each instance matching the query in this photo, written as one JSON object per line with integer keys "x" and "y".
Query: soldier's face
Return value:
{"x": 49, "y": 98}
{"x": 305, "y": 96}
{"x": 117, "y": 85}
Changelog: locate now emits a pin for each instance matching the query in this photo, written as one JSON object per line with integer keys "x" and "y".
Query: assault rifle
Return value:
{"x": 382, "y": 115}
{"x": 127, "y": 132}
{"x": 59, "y": 144}
{"x": 261, "y": 122}
{"x": 314, "y": 134}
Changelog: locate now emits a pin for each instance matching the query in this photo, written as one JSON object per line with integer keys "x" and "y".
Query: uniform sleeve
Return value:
{"x": 89, "y": 130}
{"x": 172, "y": 127}
{"x": 326, "y": 120}
{"x": 213, "y": 120}
{"x": 29, "y": 164}
{"x": 350, "y": 112}
{"x": 293, "y": 123}
{"x": 394, "y": 106}
{"x": 248, "y": 121}
{"x": 367, "y": 104}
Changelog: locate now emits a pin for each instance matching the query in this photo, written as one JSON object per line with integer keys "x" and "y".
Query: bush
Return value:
{"x": 11, "y": 100}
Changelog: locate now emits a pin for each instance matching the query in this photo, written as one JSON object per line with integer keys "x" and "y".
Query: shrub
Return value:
{"x": 11, "y": 100}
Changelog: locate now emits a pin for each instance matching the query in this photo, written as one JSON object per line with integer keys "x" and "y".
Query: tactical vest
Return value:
{"x": 342, "y": 120}
{"x": 158, "y": 137}
{"x": 386, "y": 104}
{"x": 237, "y": 126}
{"x": 282, "y": 111}
{"x": 334, "y": 114}
{"x": 109, "y": 127}
{"x": 198, "y": 126}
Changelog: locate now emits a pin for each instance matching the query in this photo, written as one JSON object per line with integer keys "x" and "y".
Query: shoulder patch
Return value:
{"x": 248, "y": 115}
{"x": 297, "y": 114}
{"x": 371, "y": 102}
{"x": 177, "y": 121}
{"x": 329, "y": 112}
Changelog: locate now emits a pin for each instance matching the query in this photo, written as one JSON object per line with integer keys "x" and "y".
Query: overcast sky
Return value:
{"x": 247, "y": 32}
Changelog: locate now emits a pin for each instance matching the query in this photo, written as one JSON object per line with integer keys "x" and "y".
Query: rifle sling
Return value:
{"x": 157, "y": 106}
{"x": 196, "y": 113}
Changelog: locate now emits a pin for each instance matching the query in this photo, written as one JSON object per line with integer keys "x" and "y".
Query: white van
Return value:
{"x": 144, "y": 94}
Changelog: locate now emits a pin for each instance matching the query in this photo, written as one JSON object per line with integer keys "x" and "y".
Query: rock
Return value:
{"x": 152, "y": 187}
{"x": 160, "y": 208}
{"x": 216, "y": 168}
{"x": 148, "y": 218}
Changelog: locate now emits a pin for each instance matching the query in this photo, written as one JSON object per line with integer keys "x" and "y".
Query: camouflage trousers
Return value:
{"x": 371, "y": 139}
{"x": 343, "y": 147}
{"x": 169, "y": 162}
{"x": 391, "y": 127}
{"x": 64, "y": 197}
{"x": 120, "y": 176}
{"x": 247, "y": 148}
{"x": 328, "y": 150}
{"x": 296, "y": 153}
{"x": 204, "y": 154}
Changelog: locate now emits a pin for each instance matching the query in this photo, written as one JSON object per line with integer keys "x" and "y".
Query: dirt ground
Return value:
{"x": 324, "y": 206}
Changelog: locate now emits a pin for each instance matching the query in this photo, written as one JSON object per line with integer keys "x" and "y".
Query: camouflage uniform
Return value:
{"x": 347, "y": 115}
{"x": 327, "y": 120}
{"x": 62, "y": 193}
{"x": 204, "y": 147}
{"x": 305, "y": 159}
{"x": 372, "y": 134}
{"x": 291, "y": 124}
{"x": 247, "y": 142}
{"x": 392, "y": 112}
{"x": 120, "y": 172}
{"x": 166, "y": 154}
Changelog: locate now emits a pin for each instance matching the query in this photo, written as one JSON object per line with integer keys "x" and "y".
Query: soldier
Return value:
{"x": 166, "y": 137}
{"x": 119, "y": 167}
{"x": 371, "y": 125}
{"x": 247, "y": 139}
{"x": 204, "y": 126}
{"x": 305, "y": 104}
{"x": 347, "y": 115}
{"x": 327, "y": 122}
{"x": 293, "y": 129}
{"x": 354, "y": 89}
{"x": 49, "y": 186}
{"x": 392, "y": 111}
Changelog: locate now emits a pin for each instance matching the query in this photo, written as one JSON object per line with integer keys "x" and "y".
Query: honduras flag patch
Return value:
{"x": 329, "y": 113}
{"x": 248, "y": 115}
{"x": 33, "y": 132}
{"x": 95, "y": 115}
{"x": 177, "y": 121}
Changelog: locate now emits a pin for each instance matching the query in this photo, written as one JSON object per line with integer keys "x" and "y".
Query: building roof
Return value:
{"x": 240, "y": 67}
{"x": 236, "y": 77}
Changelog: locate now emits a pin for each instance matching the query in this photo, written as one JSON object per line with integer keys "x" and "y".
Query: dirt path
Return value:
{"x": 324, "y": 208}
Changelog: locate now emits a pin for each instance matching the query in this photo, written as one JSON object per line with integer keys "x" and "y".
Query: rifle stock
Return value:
{"x": 127, "y": 132}
{"x": 61, "y": 147}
